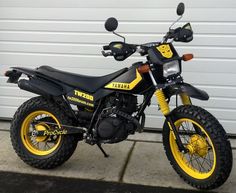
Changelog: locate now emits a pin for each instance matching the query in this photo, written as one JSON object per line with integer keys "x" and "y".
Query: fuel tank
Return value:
{"x": 131, "y": 81}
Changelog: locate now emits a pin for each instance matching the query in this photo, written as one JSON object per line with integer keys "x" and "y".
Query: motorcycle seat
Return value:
{"x": 87, "y": 83}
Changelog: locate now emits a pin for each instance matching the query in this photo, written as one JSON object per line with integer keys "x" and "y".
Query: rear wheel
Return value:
{"x": 45, "y": 152}
{"x": 208, "y": 162}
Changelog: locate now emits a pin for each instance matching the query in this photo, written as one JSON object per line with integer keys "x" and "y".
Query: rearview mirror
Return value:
{"x": 111, "y": 24}
{"x": 180, "y": 9}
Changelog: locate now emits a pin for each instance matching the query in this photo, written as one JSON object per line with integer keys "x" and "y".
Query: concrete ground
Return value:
{"x": 139, "y": 160}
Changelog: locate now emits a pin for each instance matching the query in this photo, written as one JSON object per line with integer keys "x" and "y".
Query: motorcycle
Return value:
{"x": 45, "y": 129}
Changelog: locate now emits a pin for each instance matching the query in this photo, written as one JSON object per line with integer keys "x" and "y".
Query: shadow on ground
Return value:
{"x": 26, "y": 183}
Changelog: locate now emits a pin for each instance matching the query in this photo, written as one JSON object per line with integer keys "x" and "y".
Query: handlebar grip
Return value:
{"x": 106, "y": 47}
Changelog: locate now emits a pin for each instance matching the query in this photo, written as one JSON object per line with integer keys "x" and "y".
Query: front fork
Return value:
{"x": 165, "y": 109}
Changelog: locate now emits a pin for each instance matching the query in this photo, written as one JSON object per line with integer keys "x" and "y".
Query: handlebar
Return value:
{"x": 121, "y": 50}
{"x": 181, "y": 34}
{"x": 141, "y": 49}
{"x": 107, "y": 47}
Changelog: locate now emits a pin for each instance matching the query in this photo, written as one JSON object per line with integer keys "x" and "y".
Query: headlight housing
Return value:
{"x": 171, "y": 68}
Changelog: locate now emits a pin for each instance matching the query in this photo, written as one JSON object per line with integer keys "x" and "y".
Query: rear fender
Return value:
{"x": 16, "y": 73}
{"x": 184, "y": 88}
{"x": 34, "y": 83}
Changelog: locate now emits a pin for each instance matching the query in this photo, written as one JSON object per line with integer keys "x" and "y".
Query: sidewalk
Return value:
{"x": 139, "y": 160}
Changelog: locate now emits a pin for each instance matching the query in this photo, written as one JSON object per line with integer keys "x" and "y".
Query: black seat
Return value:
{"x": 86, "y": 83}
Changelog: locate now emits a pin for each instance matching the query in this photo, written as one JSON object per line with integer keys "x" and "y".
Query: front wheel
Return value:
{"x": 208, "y": 162}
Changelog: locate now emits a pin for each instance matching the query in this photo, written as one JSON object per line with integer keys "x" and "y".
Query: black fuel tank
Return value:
{"x": 131, "y": 81}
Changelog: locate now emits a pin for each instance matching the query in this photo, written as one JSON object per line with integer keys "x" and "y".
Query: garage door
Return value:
{"x": 69, "y": 34}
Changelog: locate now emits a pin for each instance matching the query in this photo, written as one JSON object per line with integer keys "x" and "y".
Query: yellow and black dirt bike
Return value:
{"x": 71, "y": 107}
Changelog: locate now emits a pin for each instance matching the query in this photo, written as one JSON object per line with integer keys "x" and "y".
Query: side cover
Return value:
{"x": 81, "y": 98}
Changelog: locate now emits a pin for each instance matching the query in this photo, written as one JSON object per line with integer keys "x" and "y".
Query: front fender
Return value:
{"x": 184, "y": 88}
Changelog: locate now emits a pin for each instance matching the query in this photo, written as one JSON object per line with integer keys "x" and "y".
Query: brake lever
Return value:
{"x": 105, "y": 54}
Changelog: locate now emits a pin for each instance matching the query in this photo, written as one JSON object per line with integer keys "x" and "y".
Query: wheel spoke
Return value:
{"x": 200, "y": 163}
{"x": 48, "y": 145}
{"x": 45, "y": 146}
{"x": 184, "y": 135}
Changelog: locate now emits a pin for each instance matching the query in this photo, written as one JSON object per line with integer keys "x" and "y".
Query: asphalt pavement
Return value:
{"x": 27, "y": 183}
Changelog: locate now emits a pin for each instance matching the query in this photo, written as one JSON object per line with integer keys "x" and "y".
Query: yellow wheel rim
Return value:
{"x": 197, "y": 163}
{"x": 38, "y": 145}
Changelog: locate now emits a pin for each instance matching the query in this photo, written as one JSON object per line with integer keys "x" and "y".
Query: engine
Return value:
{"x": 116, "y": 122}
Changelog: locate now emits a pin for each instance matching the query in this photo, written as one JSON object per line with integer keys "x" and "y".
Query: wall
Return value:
{"x": 69, "y": 35}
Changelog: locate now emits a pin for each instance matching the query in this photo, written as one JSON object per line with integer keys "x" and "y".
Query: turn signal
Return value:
{"x": 7, "y": 73}
{"x": 143, "y": 69}
{"x": 187, "y": 57}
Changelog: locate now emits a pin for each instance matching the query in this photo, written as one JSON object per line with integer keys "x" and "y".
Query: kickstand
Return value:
{"x": 102, "y": 150}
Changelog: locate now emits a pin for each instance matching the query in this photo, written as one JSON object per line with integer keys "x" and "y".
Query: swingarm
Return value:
{"x": 41, "y": 130}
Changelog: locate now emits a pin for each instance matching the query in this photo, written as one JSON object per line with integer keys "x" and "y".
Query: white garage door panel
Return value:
{"x": 210, "y": 65}
{"x": 219, "y": 91}
{"x": 92, "y": 49}
{"x": 11, "y": 100}
{"x": 127, "y": 14}
{"x": 77, "y": 38}
{"x": 112, "y": 3}
{"x": 69, "y": 34}
{"x": 220, "y": 103}
{"x": 9, "y": 109}
{"x": 14, "y": 91}
{"x": 128, "y": 27}
{"x": 211, "y": 78}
